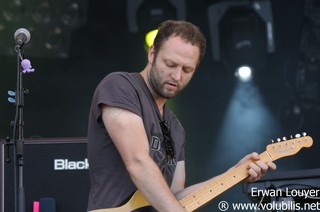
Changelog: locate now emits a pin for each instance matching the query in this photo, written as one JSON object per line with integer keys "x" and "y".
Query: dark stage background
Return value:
{"x": 223, "y": 120}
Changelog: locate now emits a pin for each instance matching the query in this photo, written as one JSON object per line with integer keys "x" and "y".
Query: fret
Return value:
{"x": 218, "y": 185}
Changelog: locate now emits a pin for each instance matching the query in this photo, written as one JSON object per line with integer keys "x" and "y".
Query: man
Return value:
{"x": 134, "y": 141}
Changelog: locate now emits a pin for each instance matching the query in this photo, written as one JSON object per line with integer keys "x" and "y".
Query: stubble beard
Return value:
{"x": 158, "y": 85}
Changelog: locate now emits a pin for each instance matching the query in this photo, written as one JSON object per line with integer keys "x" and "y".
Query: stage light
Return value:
{"x": 42, "y": 13}
{"x": 71, "y": 14}
{"x": 12, "y": 10}
{"x": 50, "y": 22}
{"x": 146, "y": 15}
{"x": 54, "y": 38}
{"x": 301, "y": 107}
{"x": 150, "y": 36}
{"x": 241, "y": 33}
{"x": 244, "y": 73}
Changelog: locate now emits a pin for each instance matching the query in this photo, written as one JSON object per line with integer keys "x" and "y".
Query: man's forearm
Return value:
{"x": 151, "y": 183}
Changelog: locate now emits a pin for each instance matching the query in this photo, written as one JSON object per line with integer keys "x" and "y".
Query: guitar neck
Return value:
{"x": 220, "y": 184}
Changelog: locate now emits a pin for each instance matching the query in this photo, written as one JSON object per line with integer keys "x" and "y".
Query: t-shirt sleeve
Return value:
{"x": 116, "y": 90}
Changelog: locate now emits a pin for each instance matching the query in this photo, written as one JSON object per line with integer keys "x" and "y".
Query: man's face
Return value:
{"x": 173, "y": 67}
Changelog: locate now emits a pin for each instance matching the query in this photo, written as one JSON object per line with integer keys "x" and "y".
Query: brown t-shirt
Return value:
{"x": 111, "y": 184}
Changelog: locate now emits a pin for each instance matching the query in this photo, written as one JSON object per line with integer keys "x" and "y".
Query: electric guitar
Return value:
{"x": 222, "y": 182}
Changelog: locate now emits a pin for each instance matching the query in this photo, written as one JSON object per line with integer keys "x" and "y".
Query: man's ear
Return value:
{"x": 151, "y": 54}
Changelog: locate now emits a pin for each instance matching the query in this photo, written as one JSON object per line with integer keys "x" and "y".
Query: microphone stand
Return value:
{"x": 18, "y": 137}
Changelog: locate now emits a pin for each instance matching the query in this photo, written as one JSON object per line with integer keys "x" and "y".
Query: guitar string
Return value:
{"x": 219, "y": 185}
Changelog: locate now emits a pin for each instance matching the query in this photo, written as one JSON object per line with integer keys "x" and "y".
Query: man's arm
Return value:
{"x": 255, "y": 171}
{"x": 127, "y": 131}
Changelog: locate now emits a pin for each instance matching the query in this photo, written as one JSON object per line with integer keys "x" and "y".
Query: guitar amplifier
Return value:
{"x": 53, "y": 168}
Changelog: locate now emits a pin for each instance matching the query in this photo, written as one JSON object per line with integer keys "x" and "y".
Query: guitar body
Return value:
{"x": 221, "y": 183}
{"x": 137, "y": 203}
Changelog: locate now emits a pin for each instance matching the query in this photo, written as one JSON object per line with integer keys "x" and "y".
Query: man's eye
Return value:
{"x": 187, "y": 70}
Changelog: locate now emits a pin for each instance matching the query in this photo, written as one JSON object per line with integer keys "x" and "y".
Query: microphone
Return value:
{"x": 22, "y": 36}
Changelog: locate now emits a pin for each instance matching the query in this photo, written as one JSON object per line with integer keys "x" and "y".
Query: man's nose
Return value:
{"x": 177, "y": 73}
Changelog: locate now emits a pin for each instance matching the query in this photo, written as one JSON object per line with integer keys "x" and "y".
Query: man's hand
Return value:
{"x": 257, "y": 168}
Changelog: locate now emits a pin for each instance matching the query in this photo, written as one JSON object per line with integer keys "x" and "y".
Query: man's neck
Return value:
{"x": 160, "y": 102}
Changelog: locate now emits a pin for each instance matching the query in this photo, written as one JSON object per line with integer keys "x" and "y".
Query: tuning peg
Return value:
{"x": 284, "y": 138}
{"x": 291, "y": 137}
{"x": 272, "y": 141}
{"x": 278, "y": 139}
{"x": 297, "y": 135}
{"x": 304, "y": 133}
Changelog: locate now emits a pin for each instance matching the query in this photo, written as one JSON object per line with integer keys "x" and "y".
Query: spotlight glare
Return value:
{"x": 244, "y": 73}
{"x": 150, "y": 37}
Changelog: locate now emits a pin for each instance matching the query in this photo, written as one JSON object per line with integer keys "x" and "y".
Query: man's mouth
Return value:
{"x": 171, "y": 86}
